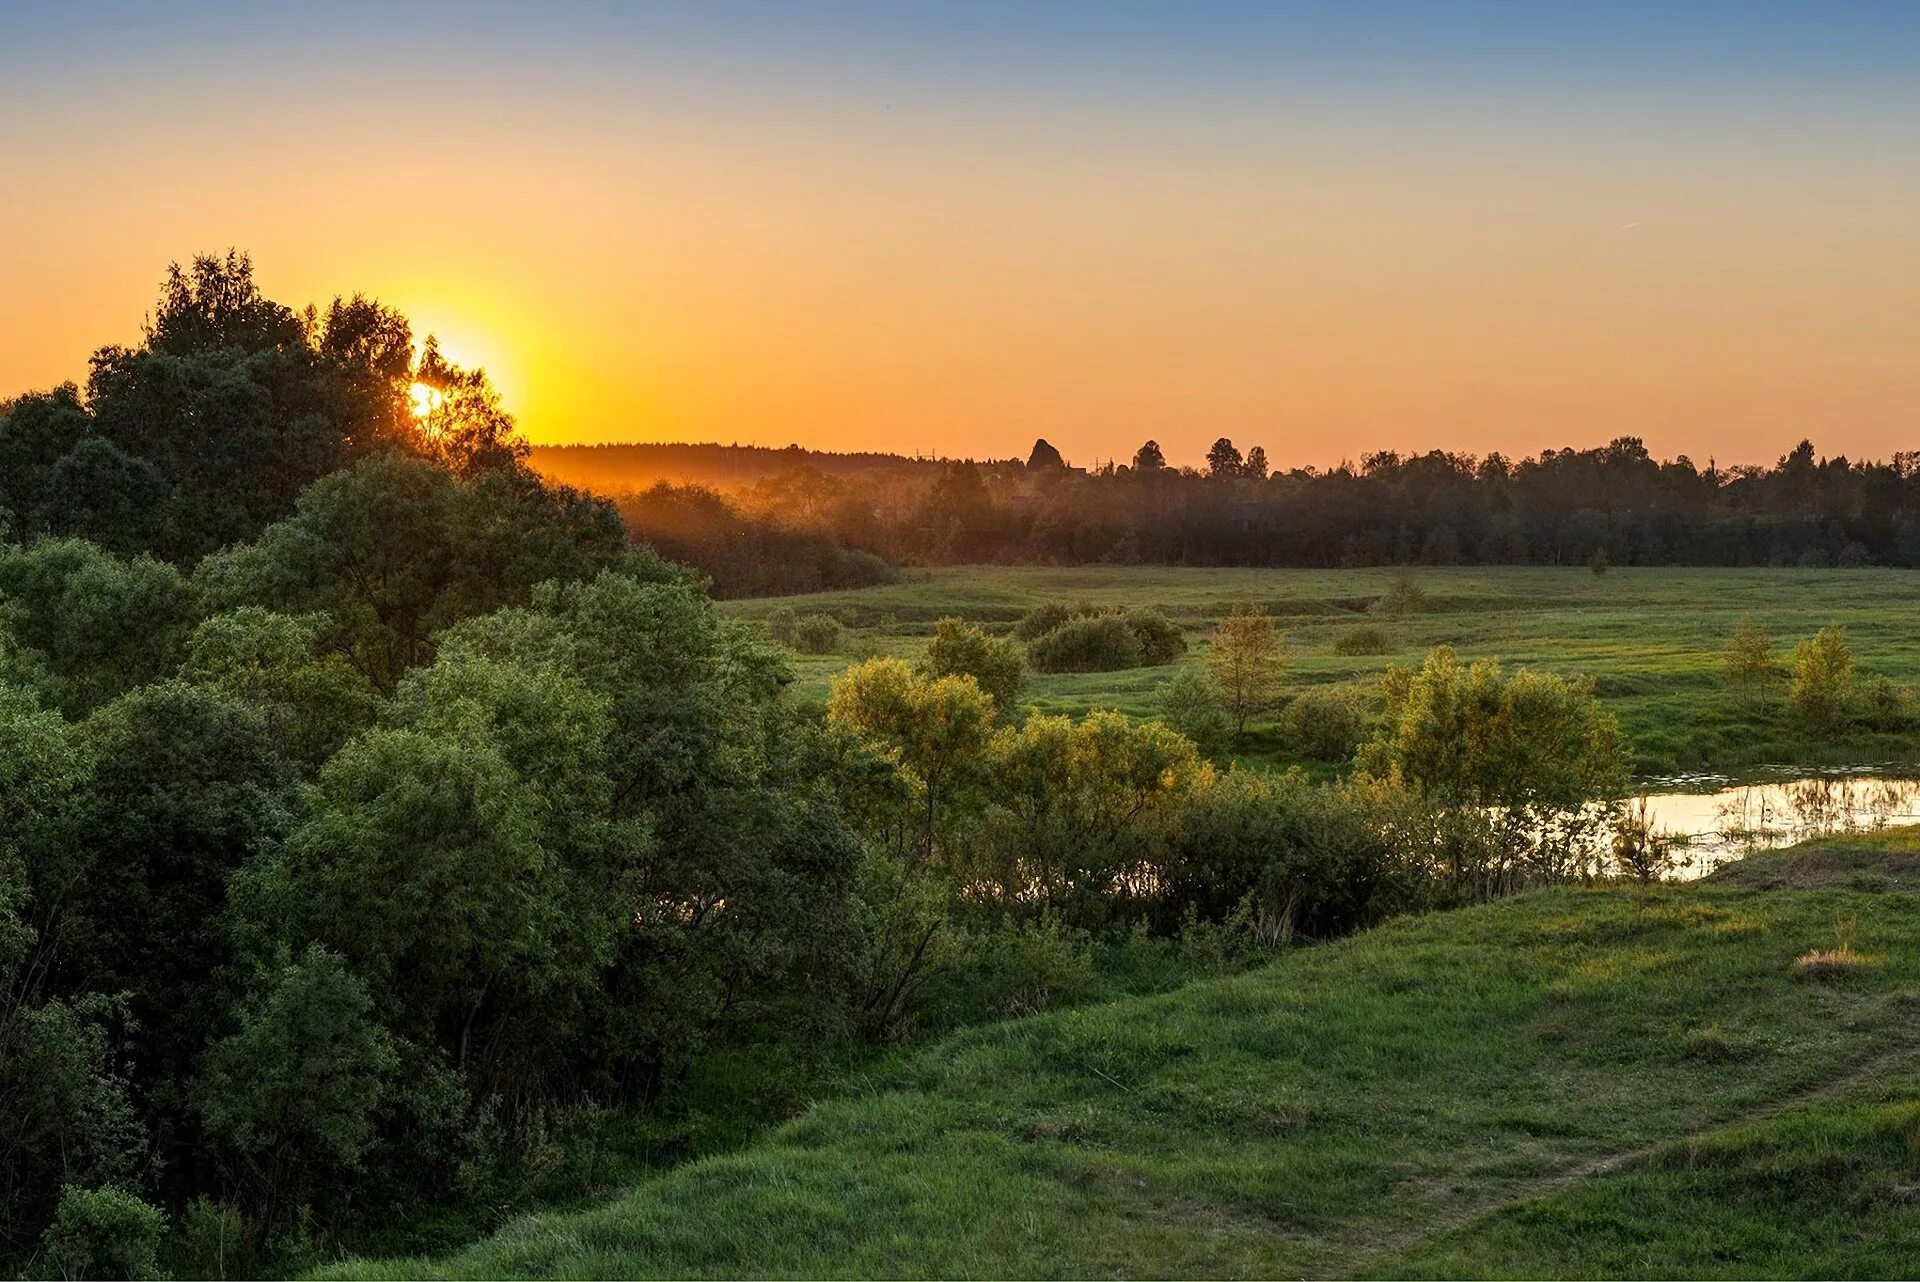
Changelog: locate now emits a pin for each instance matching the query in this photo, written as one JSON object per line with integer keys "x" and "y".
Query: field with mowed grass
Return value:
{"x": 1650, "y": 638}
{"x": 1595, "y": 1082}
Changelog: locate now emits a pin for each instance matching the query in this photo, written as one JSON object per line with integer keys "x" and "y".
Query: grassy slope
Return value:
{"x": 1479, "y": 1091}
{"x": 1650, "y": 638}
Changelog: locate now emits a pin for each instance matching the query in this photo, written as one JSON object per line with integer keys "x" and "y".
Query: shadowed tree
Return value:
{"x": 1224, "y": 461}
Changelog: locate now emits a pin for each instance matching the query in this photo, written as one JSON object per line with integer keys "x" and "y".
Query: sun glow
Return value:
{"x": 424, "y": 399}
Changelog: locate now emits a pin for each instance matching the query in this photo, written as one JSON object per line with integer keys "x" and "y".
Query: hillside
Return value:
{"x": 1571, "y": 1082}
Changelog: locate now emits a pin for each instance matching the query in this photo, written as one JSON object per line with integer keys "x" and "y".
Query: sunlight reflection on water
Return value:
{"x": 1714, "y": 825}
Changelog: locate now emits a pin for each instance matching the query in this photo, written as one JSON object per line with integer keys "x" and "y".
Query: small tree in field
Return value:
{"x": 1245, "y": 662}
{"x": 1598, "y": 562}
{"x": 1747, "y": 662}
{"x": 1823, "y": 679}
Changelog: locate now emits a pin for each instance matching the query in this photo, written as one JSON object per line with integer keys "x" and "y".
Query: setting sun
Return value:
{"x": 424, "y": 398}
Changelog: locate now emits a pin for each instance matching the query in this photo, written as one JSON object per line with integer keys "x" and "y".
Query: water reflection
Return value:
{"x": 1710, "y": 825}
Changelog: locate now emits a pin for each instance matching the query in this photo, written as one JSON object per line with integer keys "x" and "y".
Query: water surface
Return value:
{"x": 1714, "y": 818}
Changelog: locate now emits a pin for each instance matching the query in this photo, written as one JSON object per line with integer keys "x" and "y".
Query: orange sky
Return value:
{"x": 1320, "y": 268}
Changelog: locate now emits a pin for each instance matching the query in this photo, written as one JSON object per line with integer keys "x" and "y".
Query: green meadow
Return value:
{"x": 1650, "y": 638}
{"x": 1572, "y": 1082}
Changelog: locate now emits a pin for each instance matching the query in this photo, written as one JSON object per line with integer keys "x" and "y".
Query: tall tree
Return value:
{"x": 1224, "y": 461}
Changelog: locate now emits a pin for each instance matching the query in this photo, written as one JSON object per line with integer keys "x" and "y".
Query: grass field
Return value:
{"x": 1651, "y": 639}
{"x": 1571, "y": 1082}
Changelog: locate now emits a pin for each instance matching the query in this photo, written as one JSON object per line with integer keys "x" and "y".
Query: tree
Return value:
{"x": 1823, "y": 680}
{"x": 1148, "y": 458}
{"x": 293, "y": 1094}
{"x": 1536, "y": 749}
{"x": 97, "y": 625}
{"x": 465, "y": 426}
{"x": 1077, "y": 812}
{"x": 996, "y": 664}
{"x": 938, "y": 727}
{"x": 1245, "y": 662}
{"x": 1045, "y": 458}
{"x": 99, "y": 492}
{"x": 1256, "y": 465}
{"x": 1598, "y": 562}
{"x": 1224, "y": 461}
{"x": 1747, "y": 663}
{"x": 394, "y": 550}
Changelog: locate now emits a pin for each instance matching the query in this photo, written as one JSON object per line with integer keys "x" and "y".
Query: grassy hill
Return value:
{"x": 1572, "y": 1082}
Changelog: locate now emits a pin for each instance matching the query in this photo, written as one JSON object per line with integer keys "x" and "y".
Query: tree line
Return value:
{"x": 1612, "y": 505}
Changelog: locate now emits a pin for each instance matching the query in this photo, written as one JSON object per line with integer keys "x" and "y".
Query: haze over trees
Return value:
{"x": 1614, "y": 505}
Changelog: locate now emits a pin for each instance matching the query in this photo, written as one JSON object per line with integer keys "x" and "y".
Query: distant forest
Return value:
{"x": 1560, "y": 507}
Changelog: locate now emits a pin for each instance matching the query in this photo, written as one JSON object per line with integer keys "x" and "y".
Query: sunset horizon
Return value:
{"x": 1326, "y": 229}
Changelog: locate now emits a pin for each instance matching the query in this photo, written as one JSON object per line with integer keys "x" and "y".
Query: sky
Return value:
{"x": 1324, "y": 228}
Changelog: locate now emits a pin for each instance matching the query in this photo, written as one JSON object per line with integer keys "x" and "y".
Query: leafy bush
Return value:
{"x": 1326, "y": 725}
{"x": 1044, "y": 618}
{"x": 104, "y": 1233}
{"x": 1096, "y": 643}
{"x": 1013, "y": 968}
{"x": 1536, "y": 747}
{"x": 1368, "y": 638}
{"x": 1161, "y": 640}
{"x": 780, "y": 621}
{"x": 1293, "y": 858}
{"x": 1190, "y": 705}
{"x": 1403, "y": 596}
{"x": 1883, "y": 704}
{"x": 996, "y": 664}
{"x": 816, "y": 634}
{"x": 1822, "y": 680}
{"x": 1157, "y": 638}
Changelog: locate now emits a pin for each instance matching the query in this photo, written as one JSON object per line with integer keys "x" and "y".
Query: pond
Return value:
{"x": 1714, "y": 819}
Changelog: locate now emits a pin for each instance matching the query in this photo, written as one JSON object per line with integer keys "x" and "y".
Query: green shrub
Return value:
{"x": 1097, "y": 643}
{"x": 1286, "y": 858}
{"x": 1191, "y": 705}
{"x": 1368, "y": 638}
{"x": 1014, "y": 968}
{"x": 1326, "y": 725}
{"x": 1403, "y": 596}
{"x": 1881, "y": 703}
{"x": 780, "y": 621}
{"x": 1822, "y": 679}
{"x": 1161, "y": 640}
{"x": 816, "y": 634}
{"x": 211, "y": 1241}
{"x": 104, "y": 1233}
{"x": 995, "y": 663}
{"x": 1043, "y": 619}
